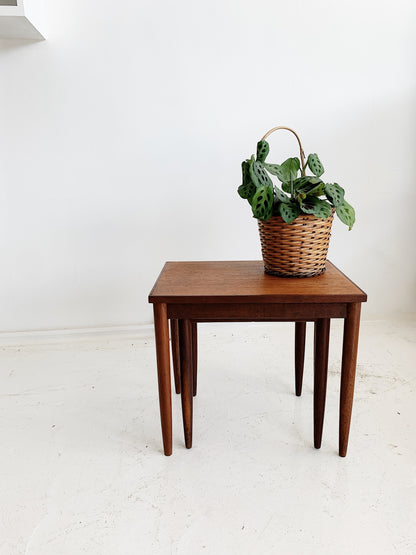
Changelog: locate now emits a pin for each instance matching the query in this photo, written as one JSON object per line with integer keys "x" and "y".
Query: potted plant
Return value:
{"x": 294, "y": 218}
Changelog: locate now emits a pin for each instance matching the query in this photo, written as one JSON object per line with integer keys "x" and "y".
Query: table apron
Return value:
{"x": 256, "y": 312}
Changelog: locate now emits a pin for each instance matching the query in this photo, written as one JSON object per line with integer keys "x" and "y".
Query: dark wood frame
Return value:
{"x": 316, "y": 304}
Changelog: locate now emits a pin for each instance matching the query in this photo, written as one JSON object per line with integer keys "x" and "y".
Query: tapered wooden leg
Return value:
{"x": 300, "y": 335}
{"x": 349, "y": 362}
{"x": 321, "y": 347}
{"x": 163, "y": 373}
{"x": 194, "y": 329}
{"x": 174, "y": 337}
{"x": 185, "y": 348}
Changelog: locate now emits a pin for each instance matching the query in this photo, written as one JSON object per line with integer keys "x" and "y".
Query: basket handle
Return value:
{"x": 302, "y": 153}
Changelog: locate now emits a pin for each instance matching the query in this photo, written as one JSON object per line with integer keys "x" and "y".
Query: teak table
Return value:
{"x": 190, "y": 292}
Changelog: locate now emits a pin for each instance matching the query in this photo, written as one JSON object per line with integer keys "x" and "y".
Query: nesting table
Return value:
{"x": 187, "y": 293}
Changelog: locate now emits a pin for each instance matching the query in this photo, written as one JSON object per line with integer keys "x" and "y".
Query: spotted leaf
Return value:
{"x": 275, "y": 169}
{"x": 289, "y": 169}
{"x": 259, "y": 175}
{"x": 262, "y": 150}
{"x": 315, "y": 165}
{"x": 346, "y": 214}
{"x": 289, "y": 212}
{"x": 309, "y": 186}
{"x": 262, "y": 203}
{"x": 317, "y": 207}
{"x": 247, "y": 190}
{"x": 334, "y": 193}
{"x": 280, "y": 196}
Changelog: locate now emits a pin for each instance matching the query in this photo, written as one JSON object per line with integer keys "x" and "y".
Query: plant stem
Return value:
{"x": 302, "y": 171}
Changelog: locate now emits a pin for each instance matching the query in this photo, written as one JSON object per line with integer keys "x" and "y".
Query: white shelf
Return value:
{"x": 22, "y": 20}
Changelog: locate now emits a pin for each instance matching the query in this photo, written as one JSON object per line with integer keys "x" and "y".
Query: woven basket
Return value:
{"x": 298, "y": 249}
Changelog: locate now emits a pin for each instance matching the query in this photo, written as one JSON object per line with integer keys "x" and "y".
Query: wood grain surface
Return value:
{"x": 246, "y": 281}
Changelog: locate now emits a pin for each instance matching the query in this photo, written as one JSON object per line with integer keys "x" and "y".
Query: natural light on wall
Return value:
{"x": 122, "y": 137}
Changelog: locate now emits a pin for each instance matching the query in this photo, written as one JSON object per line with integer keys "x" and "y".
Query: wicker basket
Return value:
{"x": 298, "y": 249}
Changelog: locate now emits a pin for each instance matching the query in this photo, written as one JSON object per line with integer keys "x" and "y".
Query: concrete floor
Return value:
{"x": 82, "y": 469}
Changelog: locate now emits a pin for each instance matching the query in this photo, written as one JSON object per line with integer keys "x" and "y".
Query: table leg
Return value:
{"x": 321, "y": 347}
{"x": 163, "y": 373}
{"x": 300, "y": 335}
{"x": 349, "y": 362}
{"x": 174, "y": 334}
{"x": 194, "y": 329}
{"x": 185, "y": 348}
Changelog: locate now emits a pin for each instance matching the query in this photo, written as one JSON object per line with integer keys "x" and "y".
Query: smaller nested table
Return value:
{"x": 190, "y": 292}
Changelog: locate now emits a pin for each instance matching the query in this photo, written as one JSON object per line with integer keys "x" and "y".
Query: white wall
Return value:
{"x": 122, "y": 137}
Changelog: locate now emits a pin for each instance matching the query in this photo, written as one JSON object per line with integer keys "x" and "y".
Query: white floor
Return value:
{"x": 82, "y": 469}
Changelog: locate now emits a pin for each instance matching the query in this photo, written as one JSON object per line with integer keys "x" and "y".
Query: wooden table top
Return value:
{"x": 246, "y": 281}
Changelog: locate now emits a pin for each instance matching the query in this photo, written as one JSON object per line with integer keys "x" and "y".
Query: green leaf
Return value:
{"x": 315, "y": 165}
{"x": 262, "y": 150}
{"x": 334, "y": 193}
{"x": 289, "y": 212}
{"x": 346, "y": 214}
{"x": 245, "y": 167}
{"x": 317, "y": 207}
{"x": 259, "y": 175}
{"x": 306, "y": 185}
{"x": 247, "y": 190}
{"x": 262, "y": 203}
{"x": 300, "y": 181}
{"x": 310, "y": 186}
{"x": 280, "y": 196}
{"x": 289, "y": 169}
{"x": 274, "y": 169}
